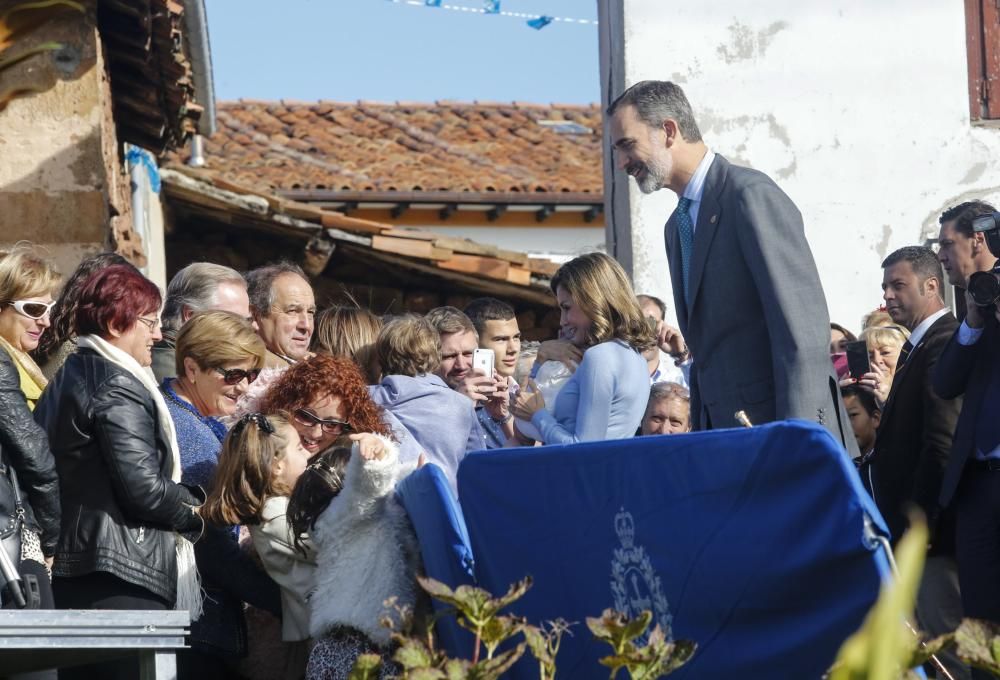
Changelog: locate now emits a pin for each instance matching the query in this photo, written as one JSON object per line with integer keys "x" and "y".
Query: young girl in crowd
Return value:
{"x": 261, "y": 459}
{"x": 365, "y": 548}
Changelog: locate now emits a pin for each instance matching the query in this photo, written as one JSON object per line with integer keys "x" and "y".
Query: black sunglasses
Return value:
{"x": 330, "y": 425}
{"x": 231, "y": 376}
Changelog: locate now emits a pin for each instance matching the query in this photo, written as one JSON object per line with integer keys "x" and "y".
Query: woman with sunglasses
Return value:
{"x": 124, "y": 509}
{"x": 27, "y": 470}
{"x": 327, "y": 397}
{"x": 218, "y": 355}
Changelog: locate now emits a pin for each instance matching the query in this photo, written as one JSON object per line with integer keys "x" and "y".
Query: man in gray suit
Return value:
{"x": 746, "y": 290}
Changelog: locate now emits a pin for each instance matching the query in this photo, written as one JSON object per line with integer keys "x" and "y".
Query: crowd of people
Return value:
{"x": 921, "y": 445}
{"x": 230, "y": 451}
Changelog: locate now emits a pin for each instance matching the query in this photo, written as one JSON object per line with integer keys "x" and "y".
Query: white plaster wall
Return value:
{"x": 858, "y": 109}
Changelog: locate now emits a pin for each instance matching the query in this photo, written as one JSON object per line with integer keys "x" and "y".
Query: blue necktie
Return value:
{"x": 685, "y": 229}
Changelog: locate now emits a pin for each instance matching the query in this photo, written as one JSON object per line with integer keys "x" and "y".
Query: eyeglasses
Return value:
{"x": 31, "y": 308}
{"x": 231, "y": 376}
{"x": 151, "y": 324}
{"x": 330, "y": 426}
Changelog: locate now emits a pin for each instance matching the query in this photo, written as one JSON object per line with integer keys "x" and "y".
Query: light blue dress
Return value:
{"x": 605, "y": 398}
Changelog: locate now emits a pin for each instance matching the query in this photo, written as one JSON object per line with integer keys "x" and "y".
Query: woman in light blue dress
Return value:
{"x": 606, "y": 397}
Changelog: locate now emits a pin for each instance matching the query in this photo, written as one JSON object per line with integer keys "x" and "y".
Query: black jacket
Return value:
{"x": 24, "y": 446}
{"x": 914, "y": 440}
{"x": 965, "y": 370}
{"x": 119, "y": 507}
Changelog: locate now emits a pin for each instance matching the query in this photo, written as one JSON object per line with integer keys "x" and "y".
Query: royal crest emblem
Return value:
{"x": 635, "y": 585}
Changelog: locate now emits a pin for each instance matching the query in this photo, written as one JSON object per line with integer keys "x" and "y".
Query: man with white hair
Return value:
{"x": 198, "y": 287}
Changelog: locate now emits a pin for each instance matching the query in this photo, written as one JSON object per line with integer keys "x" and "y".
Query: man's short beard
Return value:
{"x": 655, "y": 176}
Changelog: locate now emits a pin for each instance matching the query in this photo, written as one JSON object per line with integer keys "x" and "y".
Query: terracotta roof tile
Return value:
{"x": 407, "y": 146}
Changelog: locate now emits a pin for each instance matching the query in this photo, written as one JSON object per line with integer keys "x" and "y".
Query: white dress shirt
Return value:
{"x": 696, "y": 187}
{"x": 918, "y": 333}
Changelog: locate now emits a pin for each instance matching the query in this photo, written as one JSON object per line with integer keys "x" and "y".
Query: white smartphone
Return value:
{"x": 482, "y": 362}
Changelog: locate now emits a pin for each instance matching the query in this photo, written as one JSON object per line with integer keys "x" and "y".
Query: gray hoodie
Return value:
{"x": 442, "y": 421}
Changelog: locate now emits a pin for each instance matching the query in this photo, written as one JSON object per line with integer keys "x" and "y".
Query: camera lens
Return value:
{"x": 984, "y": 287}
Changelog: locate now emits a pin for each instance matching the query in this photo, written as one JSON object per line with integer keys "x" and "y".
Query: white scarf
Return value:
{"x": 188, "y": 582}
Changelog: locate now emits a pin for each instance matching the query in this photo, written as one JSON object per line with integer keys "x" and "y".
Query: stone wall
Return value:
{"x": 62, "y": 180}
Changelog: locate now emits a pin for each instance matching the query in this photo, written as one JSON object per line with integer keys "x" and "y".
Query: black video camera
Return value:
{"x": 984, "y": 287}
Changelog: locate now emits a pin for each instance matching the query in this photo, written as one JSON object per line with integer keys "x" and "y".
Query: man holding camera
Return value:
{"x": 970, "y": 364}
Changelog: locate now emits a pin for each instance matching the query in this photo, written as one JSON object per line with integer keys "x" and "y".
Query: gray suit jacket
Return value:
{"x": 757, "y": 326}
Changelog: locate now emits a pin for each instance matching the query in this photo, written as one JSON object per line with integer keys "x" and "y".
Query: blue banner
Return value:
{"x": 749, "y": 542}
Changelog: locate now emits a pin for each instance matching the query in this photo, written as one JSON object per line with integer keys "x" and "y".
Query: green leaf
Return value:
{"x": 366, "y": 667}
{"x": 978, "y": 644}
{"x": 680, "y": 654}
{"x": 457, "y": 669}
{"x": 615, "y": 629}
{"x": 498, "y": 629}
{"x": 615, "y": 662}
{"x": 413, "y": 654}
{"x": 637, "y": 626}
{"x": 514, "y": 593}
{"x": 426, "y": 674}
{"x": 922, "y": 653}
{"x": 492, "y": 669}
{"x": 880, "y": 649}
{"x": 475, "y": 604}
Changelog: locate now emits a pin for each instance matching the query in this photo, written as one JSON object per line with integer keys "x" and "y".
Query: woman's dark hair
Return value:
{"x": 115, "y": 297}
{"x": 64, "y": 312}
{"x": 848, "y": 335}
{"x": 322, "y": 480}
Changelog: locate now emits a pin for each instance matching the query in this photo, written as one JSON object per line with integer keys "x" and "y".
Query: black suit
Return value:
{"x": 971, "y": 489}
{"x": 914, "y": 437}
{"x": 911, "y": 450}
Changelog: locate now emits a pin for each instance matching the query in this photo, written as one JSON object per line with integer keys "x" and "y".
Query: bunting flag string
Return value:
{"x": 535, "y": 21}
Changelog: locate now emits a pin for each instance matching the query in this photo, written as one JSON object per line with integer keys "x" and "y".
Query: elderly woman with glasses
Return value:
{"x": 124, "y": 509}
{"x": 27, "y": 470}
{"x": 218, "y": 355}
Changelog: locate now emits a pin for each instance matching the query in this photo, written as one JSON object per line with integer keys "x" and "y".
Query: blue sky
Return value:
{"x": 376, "y": 49}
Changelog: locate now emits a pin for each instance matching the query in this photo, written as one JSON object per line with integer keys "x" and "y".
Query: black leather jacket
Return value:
{"x": 119, "y": 507}
{"x": 24, "y": 446}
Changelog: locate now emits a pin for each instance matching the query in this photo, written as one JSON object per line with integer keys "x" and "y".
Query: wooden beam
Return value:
{"x": 335, "y": 220}
{"x": 473, "y": 264}
{"x": 411, "y": 248}
{"x": 519, "y": 275}
{"x": 487, "y": 286}
{"x": 543, "y": 267}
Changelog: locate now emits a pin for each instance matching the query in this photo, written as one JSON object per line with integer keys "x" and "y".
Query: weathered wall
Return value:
{"x": 858, "y": 110}
{"x": 62, "y": 183}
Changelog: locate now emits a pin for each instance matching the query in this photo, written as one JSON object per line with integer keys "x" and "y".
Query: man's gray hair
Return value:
{"x": 195, "y": 287}
{"x": 260, "y": 284}
{"x": 668, "y": 390}
{"x": 657, "y": 100}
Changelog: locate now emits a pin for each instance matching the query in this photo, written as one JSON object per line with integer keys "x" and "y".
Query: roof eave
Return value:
{"x": 580, "y": 198}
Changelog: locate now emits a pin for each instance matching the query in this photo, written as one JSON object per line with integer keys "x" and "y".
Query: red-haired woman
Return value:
{"x": 118, "y": 464}
{"x": 327, "y": 397}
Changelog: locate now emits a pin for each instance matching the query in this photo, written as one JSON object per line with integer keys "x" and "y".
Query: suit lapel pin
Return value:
{"x": 713, "y": 218}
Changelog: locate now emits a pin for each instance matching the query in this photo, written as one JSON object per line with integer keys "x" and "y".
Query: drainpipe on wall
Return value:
{"x": 196, "y": 34}
{"x": 197, "y": 158}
